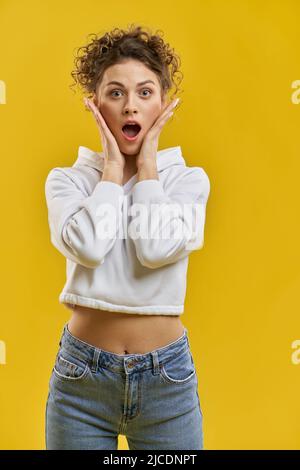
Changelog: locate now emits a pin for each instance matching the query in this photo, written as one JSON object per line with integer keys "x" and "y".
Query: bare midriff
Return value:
{"x": 124, "y": 333}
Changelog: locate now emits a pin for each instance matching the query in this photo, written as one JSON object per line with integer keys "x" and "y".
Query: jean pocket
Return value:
{"x": 179, "y": 369}
{"x": 70, "y": 367}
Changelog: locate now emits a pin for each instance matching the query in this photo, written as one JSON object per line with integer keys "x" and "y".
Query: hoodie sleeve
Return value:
{"x": 78, "y": 223}
{"x": 170, "y": 227}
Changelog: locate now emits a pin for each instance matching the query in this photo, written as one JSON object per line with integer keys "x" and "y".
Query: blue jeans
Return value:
{"x": 95, "y": 395}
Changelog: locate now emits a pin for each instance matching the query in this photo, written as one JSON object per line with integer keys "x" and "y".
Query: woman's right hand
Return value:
{"x": 112, "y": 154}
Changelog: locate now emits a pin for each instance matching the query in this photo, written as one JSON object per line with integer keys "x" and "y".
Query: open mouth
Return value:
{"x": 131, "y": 131}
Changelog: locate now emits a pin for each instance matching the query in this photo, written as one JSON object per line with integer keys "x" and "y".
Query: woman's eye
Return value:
{"x": 117, "y": 91}
{"x": 146, "y": 89}
{"x": 114, "y": 91}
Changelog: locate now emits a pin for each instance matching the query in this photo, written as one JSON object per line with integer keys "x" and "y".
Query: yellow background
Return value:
{"x": 238, "y": 121}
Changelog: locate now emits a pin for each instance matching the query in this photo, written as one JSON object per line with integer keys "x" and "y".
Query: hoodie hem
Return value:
{"x": 102, "y": 305}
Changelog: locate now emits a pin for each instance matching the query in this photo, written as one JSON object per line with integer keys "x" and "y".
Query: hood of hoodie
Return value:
{"x": 165, "y": 158}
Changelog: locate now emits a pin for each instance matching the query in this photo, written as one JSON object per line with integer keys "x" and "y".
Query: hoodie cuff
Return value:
{"x": 105, "y": 192}
{"x": 147, "y": 190}
{"x": 108, "y": 189}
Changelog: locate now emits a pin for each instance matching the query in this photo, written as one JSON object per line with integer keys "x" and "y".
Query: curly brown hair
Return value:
{"x": 118, "y": 45}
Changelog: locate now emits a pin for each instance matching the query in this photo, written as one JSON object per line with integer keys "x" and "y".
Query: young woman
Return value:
{"x": 126, "y": 219}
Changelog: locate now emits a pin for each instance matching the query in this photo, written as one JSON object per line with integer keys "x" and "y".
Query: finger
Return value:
{"x": 95, "y": 112}
{"x": 99, "y": 118}
{"x": 102, "y": 134}
{"x": 166, "y": 113}
{"x": 163, "y": 121}
{"x": 93, "y": 109}
{"x": 163, "y": 118}
{"x": 170, "y": 106}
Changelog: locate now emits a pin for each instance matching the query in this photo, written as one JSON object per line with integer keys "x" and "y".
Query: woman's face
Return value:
{"x": 129, "y": 100}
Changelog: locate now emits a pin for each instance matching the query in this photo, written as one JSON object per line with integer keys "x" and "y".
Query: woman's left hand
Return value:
{"x": 149, "y": 146}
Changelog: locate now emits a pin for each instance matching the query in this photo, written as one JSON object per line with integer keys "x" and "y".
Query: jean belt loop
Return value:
{"x": 63, "y": 334}
{"x": 187, "y": 336}
{"x": 155, "y": 361}
{"x": 95, "y": 360}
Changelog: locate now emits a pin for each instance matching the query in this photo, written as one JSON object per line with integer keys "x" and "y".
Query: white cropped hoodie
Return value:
{"x": 124, "y": 272}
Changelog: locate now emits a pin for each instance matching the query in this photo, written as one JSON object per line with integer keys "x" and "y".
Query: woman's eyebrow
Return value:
{"x": 121, "y": 84}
